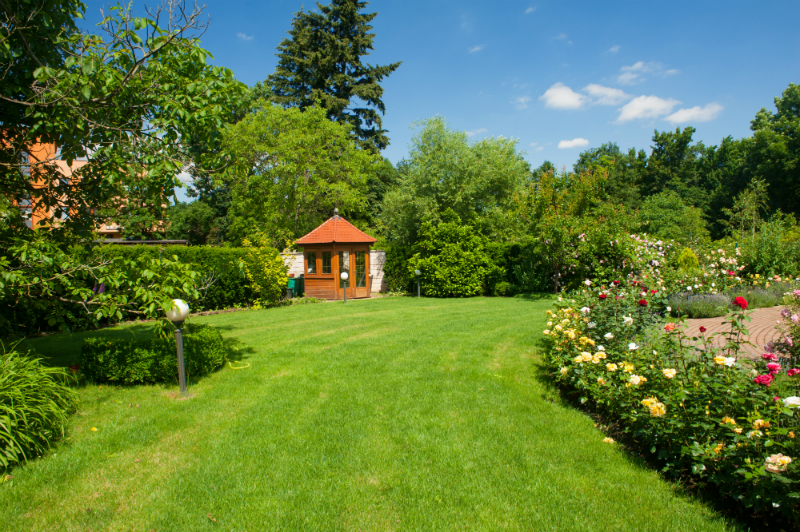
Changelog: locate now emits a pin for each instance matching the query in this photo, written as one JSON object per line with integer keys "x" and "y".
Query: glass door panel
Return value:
{"x": 361, "y": 269}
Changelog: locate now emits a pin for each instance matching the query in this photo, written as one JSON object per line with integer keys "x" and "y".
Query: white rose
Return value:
{"x": 730, "y": 361}
{"x": 591, "y": 325}
{"x": 632, "y": 346}
{"x": 586, "y": 310}
{"x": 608, "y": 336}
{"x": 601, "y": 348}
{"x": 792, "y": 402}
{"x": 627, "y": 320}
{"x": 587, "y": 282}
{"x": 669, "y": 309}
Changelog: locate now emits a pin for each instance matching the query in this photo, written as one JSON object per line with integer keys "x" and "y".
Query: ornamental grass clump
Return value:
{"x": 691, "y": 405}
{"x": 35, "y": 403}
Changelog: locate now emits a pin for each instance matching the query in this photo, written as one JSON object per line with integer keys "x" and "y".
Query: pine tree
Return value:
{"x": 321, "y": 62}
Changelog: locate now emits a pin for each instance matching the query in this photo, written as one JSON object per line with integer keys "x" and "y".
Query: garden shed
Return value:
{"x": 334, "y": 247}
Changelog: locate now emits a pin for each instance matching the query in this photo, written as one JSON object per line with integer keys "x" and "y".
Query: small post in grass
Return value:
{"x": 418, "y": 274}
{"x": 344, "y": 277}
{"x": 177, "y": 314}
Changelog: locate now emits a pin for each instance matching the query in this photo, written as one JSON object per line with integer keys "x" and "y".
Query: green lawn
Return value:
{"x": 388, "y": 414}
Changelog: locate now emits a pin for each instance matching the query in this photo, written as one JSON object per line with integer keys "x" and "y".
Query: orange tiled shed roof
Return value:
{"x": 336, "y": 229}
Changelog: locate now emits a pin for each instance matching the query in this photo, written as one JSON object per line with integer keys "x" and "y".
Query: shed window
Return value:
{"x": 361, "y": 269}
{"x": 311, "y": 263}
{"x": 326, "y": 262}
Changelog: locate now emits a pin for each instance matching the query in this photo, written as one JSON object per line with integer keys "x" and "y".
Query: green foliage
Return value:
{"x": 666, "y": 215}
{"x": 124, "y": 361}
{"x": 66, "y": 289}
{"x": 452, "y": 258}
{"x": 266, "y": 272}
{"x": 219, "y": 269}
{"x": 503, "y": 289}
{"x": 773, "y": 250}
{"x": 129, "y": 99}
{"x": 288, "y": 171}
{"x": 445, "y": 171}
{"x": 34, "y": 406}
{"x": 687, "y": 260}
{"x": 320, "y": 64}
{"x": 191, "y": 221}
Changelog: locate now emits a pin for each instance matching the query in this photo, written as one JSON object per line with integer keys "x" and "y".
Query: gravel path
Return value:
{"x": 762, "y": 328}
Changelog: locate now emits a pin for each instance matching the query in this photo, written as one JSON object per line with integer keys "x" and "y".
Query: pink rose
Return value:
{"x": 765, "y": 380}
{"x": 773, "y": 368}
{"x": 792, "y": 372}
{"x": 769, "y": 356}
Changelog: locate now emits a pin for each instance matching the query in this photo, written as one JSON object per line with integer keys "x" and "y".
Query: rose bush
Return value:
{"x": 698, "y": 409}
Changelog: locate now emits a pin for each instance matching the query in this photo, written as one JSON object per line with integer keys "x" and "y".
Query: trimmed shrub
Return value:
{"x": 231, "y": 288}
{"x": 34, "y": 405}
{"x": 687, "y": 260}
{"x": 153, "y": 360}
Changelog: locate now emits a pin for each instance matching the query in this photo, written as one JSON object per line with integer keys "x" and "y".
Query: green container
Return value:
{"x": 300, "y": 286}
{"x": 290, "y": 288}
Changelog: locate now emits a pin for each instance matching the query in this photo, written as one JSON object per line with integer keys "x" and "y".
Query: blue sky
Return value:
{"x": 560, "y": 77}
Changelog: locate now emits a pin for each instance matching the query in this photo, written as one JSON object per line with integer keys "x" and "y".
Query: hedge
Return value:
{"x": 231, "y": 289}
{"x": 154, "y": 360}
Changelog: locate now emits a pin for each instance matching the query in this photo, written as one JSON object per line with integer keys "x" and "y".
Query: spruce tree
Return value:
{"x": 321, "y": 62}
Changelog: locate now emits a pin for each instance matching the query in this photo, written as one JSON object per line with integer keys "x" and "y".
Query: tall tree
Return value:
{"x": 477, "y": 181}
{"x": 673, "y": 165}
{"x": 321, "y": 64}
{"x": 774, "y": 150}
{"x": 288, "y": 171}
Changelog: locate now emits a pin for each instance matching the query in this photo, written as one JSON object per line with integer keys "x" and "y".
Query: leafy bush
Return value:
{"x": 503, "y": 289}
{"x": 266, "y": 272}
{"x": 153, "y": 360}
{"x": 695, "y": 408}
{"x": 231, "y": 287}
{"x": 34, "y": 406}
{"x": 687, "y": 260}
{"x": 452, "y": 259}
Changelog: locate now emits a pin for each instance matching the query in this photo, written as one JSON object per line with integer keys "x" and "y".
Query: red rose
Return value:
{"x": 792, "y": 372}
{"x": 614, "y": 282}
{"x": 731, "y": 273}
{"x": 603, "y": 296}
{"x": 766, "y": 380}
{"x": 740, "y": 302}
{"x": 653, "y": 291}
{"x": 703, "y": 329}
{"x": 642, "y": 302}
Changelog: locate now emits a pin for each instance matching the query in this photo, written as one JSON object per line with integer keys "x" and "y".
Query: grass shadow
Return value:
{"x": 535, "y": 296}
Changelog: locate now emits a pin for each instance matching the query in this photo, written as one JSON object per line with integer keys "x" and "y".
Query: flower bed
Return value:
{"x": 697, "y": 409}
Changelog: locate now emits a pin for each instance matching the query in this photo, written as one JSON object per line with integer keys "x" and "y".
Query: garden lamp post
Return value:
{"x": 418, "y": 274}
{"x": 344, "y": 277}
{"x": 177, "y": 314}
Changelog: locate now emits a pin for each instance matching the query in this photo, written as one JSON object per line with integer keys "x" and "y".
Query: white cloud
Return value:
{"x": 476, "y": 131}
{"x": 606, "y": 95}
{"x": 614, "y": 49}
{"x": 696, "y": 114}
{"x": 574, "y": 143}
{"x": 477, "y": 48}
{"x": 540, "y": 148}
{"x": 627, "y": 78}
{"x": 244, "y": 37}
{"x": 561, "y": 36}
{"x": 559, "y": 96}
{"x": 534, "y": 144}
{"x": 521, "y": 102}
{"x": 646, "y": 107}
{"x": 530, "y": 10}
{"x": 634, "y": 73}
